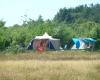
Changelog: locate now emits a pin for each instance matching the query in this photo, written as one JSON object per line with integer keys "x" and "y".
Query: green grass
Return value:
{"x": 68, "y": 65}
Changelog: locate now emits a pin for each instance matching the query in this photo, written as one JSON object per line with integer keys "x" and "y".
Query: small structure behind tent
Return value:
{"x": 81, "y": 43}
{"x": 44, "y": 42}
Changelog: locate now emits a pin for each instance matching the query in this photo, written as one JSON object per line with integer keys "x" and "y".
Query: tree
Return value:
{"x": 40, "y": 19}
{"x": 2, "y": 23}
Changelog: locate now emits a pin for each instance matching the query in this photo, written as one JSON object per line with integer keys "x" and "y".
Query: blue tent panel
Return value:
{"x": 30, "y": 45}
{"x": 76, "y": 42}
{"x": 87, "y": 40}
{"x": 50, "y": 46}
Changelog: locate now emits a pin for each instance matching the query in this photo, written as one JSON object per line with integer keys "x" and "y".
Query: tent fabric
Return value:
{"x": 45, "y": 36}
{"x": 83, "y": 43}
{"x": 77, "y": 44}
{"x": 56, "y": 43}
{"x": 30, "y": 45}
{"x": 46, "y": 42}
{"x": 76, "y": 41}
{"x": 50, "y": 45}
{"x": 89, "y": 40}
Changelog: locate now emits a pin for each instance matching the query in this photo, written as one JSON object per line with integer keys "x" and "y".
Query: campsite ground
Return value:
{"x": 65, "y": 65}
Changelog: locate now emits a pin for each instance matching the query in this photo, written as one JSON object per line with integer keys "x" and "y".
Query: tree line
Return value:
{"x": 82, "y": 21}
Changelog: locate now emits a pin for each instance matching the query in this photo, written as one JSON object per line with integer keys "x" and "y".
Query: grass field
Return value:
{"x": 69, "y": 65}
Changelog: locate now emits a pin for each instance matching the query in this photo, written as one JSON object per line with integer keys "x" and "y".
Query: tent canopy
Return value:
{"x": 45, "y": 41}
{"x": 45, "y": 36}
{"x": 75, "y": 40}
{"x": 89, "y": 40}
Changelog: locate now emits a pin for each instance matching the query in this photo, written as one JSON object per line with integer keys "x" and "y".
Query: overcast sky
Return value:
{"x": 12, "y": 11}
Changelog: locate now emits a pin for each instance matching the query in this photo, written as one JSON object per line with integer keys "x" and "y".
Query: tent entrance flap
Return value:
{"x": 50, "y": 45}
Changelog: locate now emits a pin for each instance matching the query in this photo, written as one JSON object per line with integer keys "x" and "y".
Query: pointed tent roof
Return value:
{"x": 45, "y": 36}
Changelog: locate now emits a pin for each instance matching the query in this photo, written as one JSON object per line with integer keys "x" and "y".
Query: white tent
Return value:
{"x": 46, "y": 42}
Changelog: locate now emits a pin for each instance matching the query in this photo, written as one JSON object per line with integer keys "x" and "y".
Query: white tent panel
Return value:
{"x": 56, "y": 44}
{"x": 82, "y": 45}
{"x": 74, "y": 46}
{"x": 45, "y": 36}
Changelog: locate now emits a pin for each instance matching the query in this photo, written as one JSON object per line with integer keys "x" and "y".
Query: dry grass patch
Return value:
{"x": 66, "y": 65}
{"x": 54, "y": 55}
{"x": 49, "y": 70}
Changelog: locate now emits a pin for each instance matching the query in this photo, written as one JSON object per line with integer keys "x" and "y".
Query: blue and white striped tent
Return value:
{"x": 83, "y": 43}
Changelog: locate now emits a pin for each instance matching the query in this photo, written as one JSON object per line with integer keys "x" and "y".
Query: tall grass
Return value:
{"x": 49, "y": 70}
{"x": 50, "y": 66}
{"x": 54, "y": 55}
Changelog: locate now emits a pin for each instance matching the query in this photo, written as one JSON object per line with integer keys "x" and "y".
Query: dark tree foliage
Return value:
{"x": 2, "y": 23}
{"x": 80, "y": 13}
